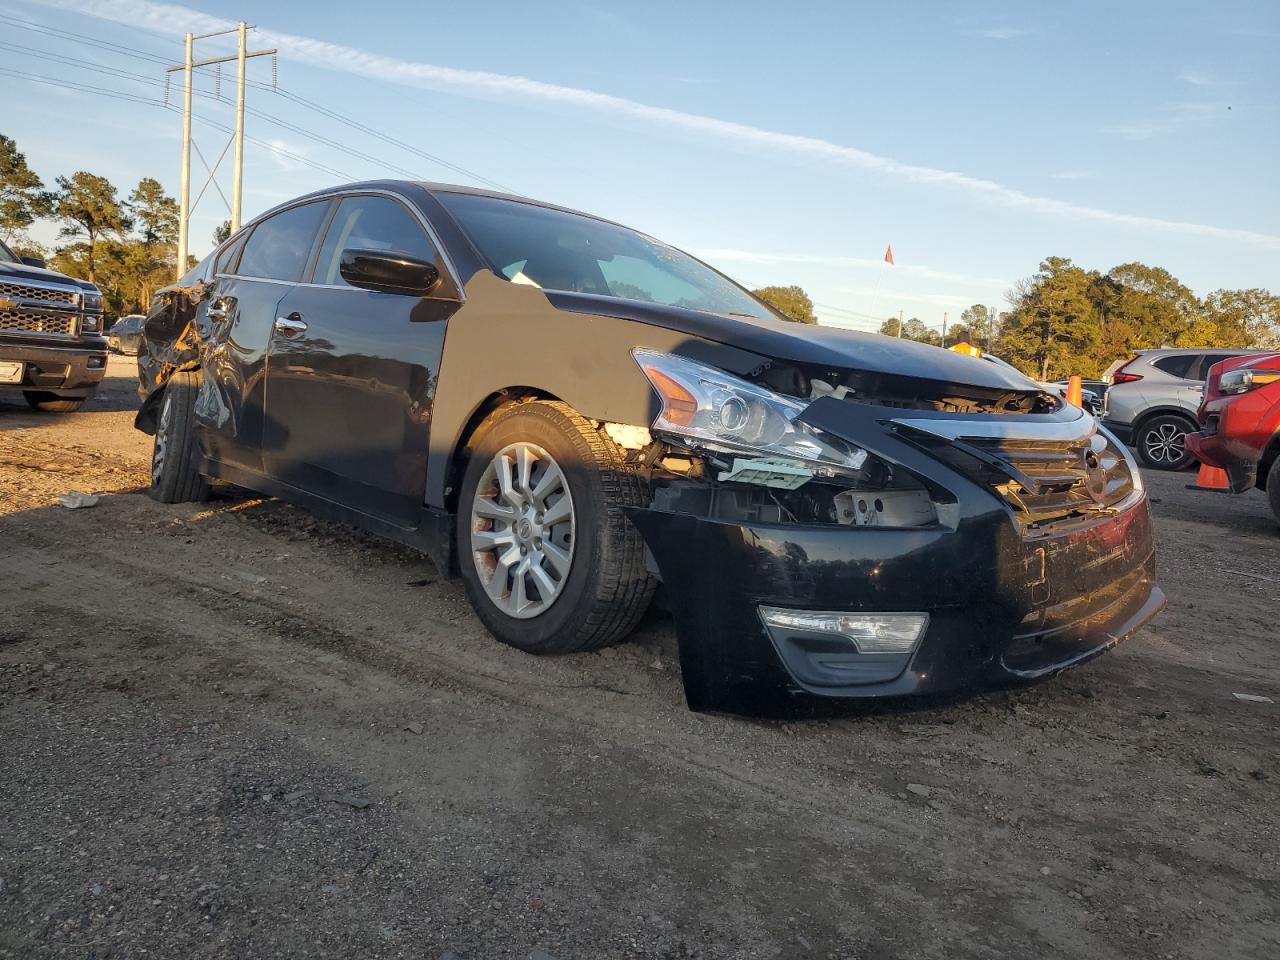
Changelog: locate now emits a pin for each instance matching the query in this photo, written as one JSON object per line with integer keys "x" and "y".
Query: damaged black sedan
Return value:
{"x": 572, "y": 415}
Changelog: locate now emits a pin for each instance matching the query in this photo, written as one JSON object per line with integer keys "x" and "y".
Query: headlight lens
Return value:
{"x": 92, "y": 302}
{"x": 708, "y": 407}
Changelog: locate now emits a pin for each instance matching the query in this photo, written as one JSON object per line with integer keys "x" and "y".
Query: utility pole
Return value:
{"x": 184, "y": 210}
{"x": 237, "y": 188}
{"x": 899, "y": 324}
{"x": 238, "y": 175}
{"x": 944, "y": 328}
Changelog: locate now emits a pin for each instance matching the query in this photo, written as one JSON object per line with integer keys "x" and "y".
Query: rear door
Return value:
{"x": 239, "y": 317}
{"x": 352, "y": 373}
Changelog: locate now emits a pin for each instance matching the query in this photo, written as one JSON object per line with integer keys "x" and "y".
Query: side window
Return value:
{"x": 1179, "y": 365}
{"x": 226, "y": 262}
{"x": 1209, "y": 361}
{"x": 279, "y": 246}
{"x": 370, "y": 223}
{"x": 197, "y": 273}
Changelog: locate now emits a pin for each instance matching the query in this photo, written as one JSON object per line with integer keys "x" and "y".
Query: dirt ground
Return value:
{"x": 231, "y": 730}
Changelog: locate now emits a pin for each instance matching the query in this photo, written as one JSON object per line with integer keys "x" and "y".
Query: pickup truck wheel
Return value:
{"x": 173, "y": 475}
{"x": 52, "y": 403}
{"x": 1273, "y": 489}
{"x": 548, "y": 557}
{"x": 1162, "y": 442}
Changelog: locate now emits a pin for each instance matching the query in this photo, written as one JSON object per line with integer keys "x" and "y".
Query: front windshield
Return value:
{"x": 7, "y": 255}
{"x": 566, "y": 251}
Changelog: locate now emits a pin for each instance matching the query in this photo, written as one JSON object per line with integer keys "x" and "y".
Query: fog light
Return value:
{"x": 869, "y": 632}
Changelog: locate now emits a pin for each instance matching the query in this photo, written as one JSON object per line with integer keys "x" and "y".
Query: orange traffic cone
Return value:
{"x": 1212, "y": 478}
{"x": 1075, "y": 391}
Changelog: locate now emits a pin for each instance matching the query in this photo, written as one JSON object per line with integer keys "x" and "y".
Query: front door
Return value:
{"x": 351, "y": 373}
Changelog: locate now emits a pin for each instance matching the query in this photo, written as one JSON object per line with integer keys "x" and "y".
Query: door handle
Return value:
{"x": 291, "y": 325}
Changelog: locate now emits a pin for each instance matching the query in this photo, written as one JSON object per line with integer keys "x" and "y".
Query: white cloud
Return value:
{"x": 749, "y": 256}
{"x": 1002, "y": 33}
{"x": 284, "y": 154}
{"x": 174, "y": 19}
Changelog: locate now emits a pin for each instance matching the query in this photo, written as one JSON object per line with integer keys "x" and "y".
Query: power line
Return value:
{"x": 74, "y": 37}
{"x": 81, "y": 38}
{"x": 133, "y": 98}
{"x": 81, "y": 87}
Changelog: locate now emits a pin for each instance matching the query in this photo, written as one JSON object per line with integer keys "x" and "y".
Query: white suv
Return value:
{"x": 1152, "y": 401}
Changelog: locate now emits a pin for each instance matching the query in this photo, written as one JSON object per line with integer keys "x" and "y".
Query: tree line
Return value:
{"x": 126, "y": 245}
{"x": 1066, "y": 319}
{"x": 1062, "y": 320}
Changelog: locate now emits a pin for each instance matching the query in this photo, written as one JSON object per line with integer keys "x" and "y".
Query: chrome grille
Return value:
{"x": 1065, "y": 477}
{"x": 27, "y": 291}
{"x": 33, "y": 321}
{"x": 1046, "y": 471}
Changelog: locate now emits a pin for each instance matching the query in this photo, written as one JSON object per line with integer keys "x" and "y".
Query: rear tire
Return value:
{"x": 550, "y": 586}
{"x": 173, "y": 474}
{"x": 52, "y": 403}
{"x": 1162, "y": 442}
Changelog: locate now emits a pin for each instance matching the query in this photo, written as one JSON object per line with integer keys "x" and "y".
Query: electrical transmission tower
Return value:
{"x": 189, "y": 65}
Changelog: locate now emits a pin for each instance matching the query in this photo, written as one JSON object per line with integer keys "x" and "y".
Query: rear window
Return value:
{"x": 1177, "y": 365}
{"x": 279, "y": 246}
{"x": 1209, "y": 361}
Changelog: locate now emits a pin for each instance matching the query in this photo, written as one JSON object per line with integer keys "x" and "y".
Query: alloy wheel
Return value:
{"x": 1166, "y": 444}
{"x": 522, "y": 530}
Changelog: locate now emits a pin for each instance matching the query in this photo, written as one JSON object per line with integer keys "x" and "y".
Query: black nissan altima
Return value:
{"x": 571, "y": 415}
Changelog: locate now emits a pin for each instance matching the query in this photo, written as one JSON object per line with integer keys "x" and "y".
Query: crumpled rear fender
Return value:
{"x": 170, "y": 342}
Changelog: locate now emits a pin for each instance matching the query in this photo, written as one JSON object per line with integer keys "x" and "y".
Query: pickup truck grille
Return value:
{"x": 26, "y": 291}
{"x": 36, "y": 321}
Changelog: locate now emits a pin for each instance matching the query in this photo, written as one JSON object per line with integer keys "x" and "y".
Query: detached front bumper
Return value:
{"x": 1006, "y": 605}
{"x": 70, "y": 370}
{"x": 1000, "y": 611}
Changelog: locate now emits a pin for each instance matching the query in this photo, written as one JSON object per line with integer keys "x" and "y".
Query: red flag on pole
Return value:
{"x": 888, "y": 254}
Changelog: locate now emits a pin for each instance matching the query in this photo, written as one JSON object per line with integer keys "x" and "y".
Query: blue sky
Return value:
{"x": 783, "y": 143}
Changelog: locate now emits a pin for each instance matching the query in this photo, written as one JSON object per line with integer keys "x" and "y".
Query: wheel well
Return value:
{"x": 1268, "y": 462}
{"x": 1149, "y": 415}
{"x": 489, "y": 407}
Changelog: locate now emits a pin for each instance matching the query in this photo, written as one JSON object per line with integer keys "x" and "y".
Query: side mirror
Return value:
{"x": 33, "y": 262}
{"x": 388, "y": 271}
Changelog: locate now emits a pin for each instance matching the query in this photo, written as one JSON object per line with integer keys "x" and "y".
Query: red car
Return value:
{"x": 1240, "y": 423}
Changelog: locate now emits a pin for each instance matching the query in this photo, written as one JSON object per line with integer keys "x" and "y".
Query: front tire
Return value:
{"x": 173, "y": 474}
{"x": 51, "y": 402}
{"x": 1162, "y": 443}
{"x": 548, "y": 557}
{"x": 1273, "y": 489}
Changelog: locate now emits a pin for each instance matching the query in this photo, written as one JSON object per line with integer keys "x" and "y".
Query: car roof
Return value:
{"x": 432, "y": 187}
{"x": 1177, "y": 351}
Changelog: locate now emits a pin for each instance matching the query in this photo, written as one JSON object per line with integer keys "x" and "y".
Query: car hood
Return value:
{"x": 20, "y": 271}
{"x": 827, "y": 347}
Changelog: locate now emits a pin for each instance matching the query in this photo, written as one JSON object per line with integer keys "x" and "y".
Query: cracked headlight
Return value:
{"x": 706, "y": 407}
